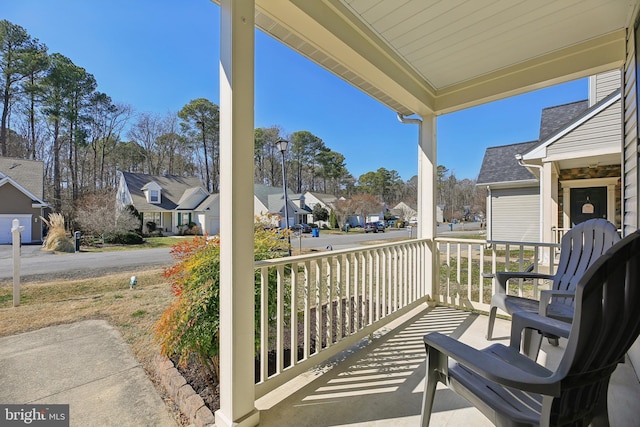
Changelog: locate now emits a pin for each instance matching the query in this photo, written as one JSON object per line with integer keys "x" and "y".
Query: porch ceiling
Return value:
{"x": 423, "y": 56}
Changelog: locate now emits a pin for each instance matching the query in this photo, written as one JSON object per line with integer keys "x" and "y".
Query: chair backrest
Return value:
{"x": 606, "y": 323}
{"x": 580, "y": 247}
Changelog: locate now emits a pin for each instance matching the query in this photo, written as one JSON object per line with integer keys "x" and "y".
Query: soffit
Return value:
{"x": 421, "y": 56}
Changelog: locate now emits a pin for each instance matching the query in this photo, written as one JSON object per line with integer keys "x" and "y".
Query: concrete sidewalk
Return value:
{"x": 86, "y": 365}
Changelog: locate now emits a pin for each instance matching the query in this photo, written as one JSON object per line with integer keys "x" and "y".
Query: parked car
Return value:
{"x": 370, "y": 226}
{"x": 380, "y": 226}
{"x": 303, "y": 228}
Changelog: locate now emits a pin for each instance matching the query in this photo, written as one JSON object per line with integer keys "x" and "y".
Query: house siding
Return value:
{"x": 630, "y": 141}
{"x": 603, "y": 85}
{"x": 15, "y": 202}
{"x": 515, "y": 214}
{"x": 601, "y": 133}
{"x": 630, "y": 157}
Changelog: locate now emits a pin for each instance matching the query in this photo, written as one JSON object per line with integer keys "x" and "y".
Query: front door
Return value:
{"x": 587, "y": 203}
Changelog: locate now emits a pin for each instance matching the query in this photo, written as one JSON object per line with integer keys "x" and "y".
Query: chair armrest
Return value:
{"x": 502, "y": 277}
{"x": 494, "y": 368}
{"x": 525, "y": 319}
{"x": 546, "y": 295}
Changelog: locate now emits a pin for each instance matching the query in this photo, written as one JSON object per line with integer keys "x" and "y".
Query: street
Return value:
{"x": 38, "y": 265}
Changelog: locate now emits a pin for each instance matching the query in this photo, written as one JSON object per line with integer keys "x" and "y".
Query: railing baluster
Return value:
{"x": 293, "y": 314}
{"x": 377, "y": 308}
{"x": 481, "y": 275}
{"x": 264, "y": 323}
{"x": 280, "y": 320}
{"x": 339, "y": 296}
{"x": 370, "y": 279}
{"x": 329, "y": 292}
{"x": 348, "y": 294}
{"x": 385, "y": 281}
{"x": 318, "y": 291}
{"x": 307, "y": 309}
{"x": 449, "y": 299}
{"x": 469, "y": 262}
{"x": 396, "y": 279}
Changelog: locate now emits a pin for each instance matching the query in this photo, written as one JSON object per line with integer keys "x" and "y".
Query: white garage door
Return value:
{"x": 6, "y": 222}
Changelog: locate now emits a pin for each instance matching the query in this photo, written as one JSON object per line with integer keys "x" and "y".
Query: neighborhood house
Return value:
{"x": 171, "y": 203}
{"x": 539, "y": 189}
{"x": 22, "y": 198}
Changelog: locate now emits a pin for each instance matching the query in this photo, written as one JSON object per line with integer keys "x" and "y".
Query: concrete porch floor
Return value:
{"x": 381, "y": 384}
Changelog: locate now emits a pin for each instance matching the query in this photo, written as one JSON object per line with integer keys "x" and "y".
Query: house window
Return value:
{"x": 154, "y": 196}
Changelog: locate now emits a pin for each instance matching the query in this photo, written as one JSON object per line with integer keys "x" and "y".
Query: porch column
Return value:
{"x": 549, "y": 209}
{"x": 549, "y": 204}
{"x": 237, "y": 392}
{"x": 427, "y": 169}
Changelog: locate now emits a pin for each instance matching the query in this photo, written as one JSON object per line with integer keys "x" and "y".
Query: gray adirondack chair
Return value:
{"x": 579, "y": 248}
{"x": 513, "y": 390}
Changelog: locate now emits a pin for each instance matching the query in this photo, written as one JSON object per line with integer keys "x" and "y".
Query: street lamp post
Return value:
{"x": 282, "y": 146}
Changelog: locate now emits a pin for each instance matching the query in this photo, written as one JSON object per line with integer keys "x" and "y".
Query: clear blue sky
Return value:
{"x": 157, "y": 55}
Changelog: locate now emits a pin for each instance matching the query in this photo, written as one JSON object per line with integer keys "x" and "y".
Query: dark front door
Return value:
{"x": 587, "y": 203}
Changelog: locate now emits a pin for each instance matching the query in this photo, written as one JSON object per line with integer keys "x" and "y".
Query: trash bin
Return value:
{"x": 315, "y": 232}
{"x": 76, "y": 238}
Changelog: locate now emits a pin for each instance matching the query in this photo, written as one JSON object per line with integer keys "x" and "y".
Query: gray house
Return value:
{"x": 513, "y": 194}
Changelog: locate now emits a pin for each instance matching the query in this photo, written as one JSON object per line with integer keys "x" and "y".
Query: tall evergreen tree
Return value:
{"x": 18, "y": 53}
{"x": 201, "y": 121}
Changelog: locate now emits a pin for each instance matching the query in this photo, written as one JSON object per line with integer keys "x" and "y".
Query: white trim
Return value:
{"x": 568, "y": 184}
{"x": 589, "y": 182}
{"x": 510, "y": 184}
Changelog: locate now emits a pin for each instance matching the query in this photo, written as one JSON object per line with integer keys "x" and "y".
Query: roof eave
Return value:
{"x": 509, "y": 184}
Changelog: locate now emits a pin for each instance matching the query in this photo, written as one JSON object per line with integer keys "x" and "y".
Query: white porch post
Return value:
{"x": 548, "y": 209}
{"x": 237, "y": 390}
{"x": 548, "y": 205}
{"x": 427, "y": 169}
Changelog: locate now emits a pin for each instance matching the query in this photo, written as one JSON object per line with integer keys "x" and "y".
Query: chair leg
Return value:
{"x": 531, "y": 342}
{"x": 601, "y": 410}
{"x": 430, "y": 383}
{"x": 492, "y": 319}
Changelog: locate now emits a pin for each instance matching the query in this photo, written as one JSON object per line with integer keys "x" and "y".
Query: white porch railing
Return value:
{"x": 314, "y": 306}
{"x": 467, "y": 269}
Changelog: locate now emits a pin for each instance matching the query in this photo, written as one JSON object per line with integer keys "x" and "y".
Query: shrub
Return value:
{"x": 96, "y": 214}
{"x": 190, "y": 326}
{"x": 57, "y": 239}
{"x": 128, "y": 238}
{"x": 333, "y": 220}
{"x": 151, "y": 226}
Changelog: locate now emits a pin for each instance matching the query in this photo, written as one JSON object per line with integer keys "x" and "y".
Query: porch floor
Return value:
{"x": 381, "y": 384}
